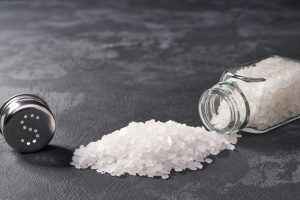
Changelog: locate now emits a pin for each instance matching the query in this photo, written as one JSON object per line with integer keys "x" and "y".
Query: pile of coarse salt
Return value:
{"x": 152, "y": 148}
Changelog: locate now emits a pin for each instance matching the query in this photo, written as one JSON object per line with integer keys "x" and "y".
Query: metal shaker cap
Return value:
{"x": 27, "y": 123}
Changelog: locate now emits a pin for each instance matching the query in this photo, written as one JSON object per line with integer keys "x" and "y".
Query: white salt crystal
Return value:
{"x": 164, "y": 176}
{"x": 198, "y": 165}
{"x": 152, "y": 149}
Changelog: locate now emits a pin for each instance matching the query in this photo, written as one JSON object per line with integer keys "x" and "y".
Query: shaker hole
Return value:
{"x": 30, "y": 129}
{"x": 34, "y": 141}
{"x": 32, "y": 115}
{"x": 22, "y": 140}
{"x": 24, "y": 127}
{"x": 28, "y": 143}
{"x": 22, "y": 122}
{"x": 37, "y": 117}
{"x": 25, "y": 116}
{"x": 37, "y": 135}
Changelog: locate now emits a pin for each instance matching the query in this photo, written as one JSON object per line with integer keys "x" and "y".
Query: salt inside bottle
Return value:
{"x": 254, "y": 97}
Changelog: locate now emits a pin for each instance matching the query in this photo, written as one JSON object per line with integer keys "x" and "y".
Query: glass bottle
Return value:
{"x": 253, "y": 104}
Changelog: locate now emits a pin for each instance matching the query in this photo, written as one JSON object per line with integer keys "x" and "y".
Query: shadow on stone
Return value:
{"x": 51, "y": 156}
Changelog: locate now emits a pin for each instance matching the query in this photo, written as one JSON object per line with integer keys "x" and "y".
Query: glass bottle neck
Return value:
{"x": 224, "y": 108}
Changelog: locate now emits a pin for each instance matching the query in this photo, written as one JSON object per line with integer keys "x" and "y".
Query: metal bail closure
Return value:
{"x": 27, "y": 123}
{"x": 228, "y": 74}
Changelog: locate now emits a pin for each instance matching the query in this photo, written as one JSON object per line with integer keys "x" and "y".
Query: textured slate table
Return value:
{"x": 103, "y": 65}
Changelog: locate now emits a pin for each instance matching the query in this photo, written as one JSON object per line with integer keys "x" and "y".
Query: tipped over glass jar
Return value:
{"x": 255, "y": 97}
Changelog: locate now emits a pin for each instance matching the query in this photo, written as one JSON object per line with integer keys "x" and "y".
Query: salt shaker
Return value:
{"x": 255, "y": 97}
{"x": 27, "y": 123}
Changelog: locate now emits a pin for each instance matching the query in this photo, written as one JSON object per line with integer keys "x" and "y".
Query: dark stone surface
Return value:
{"x": 104, "y": 64}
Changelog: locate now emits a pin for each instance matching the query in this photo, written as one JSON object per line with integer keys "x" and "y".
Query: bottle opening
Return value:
{"x": 223, "y": 108}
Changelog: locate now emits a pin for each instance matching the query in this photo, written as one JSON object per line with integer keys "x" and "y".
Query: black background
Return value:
{"x": 101, "y": 65}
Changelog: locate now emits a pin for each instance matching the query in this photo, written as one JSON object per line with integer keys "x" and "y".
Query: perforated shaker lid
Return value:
{"x": 27, "y": 123}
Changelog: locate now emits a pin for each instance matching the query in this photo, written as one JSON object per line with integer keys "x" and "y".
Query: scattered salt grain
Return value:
{"x": 152, "y": 148}
{"x": 208, "y": 160}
